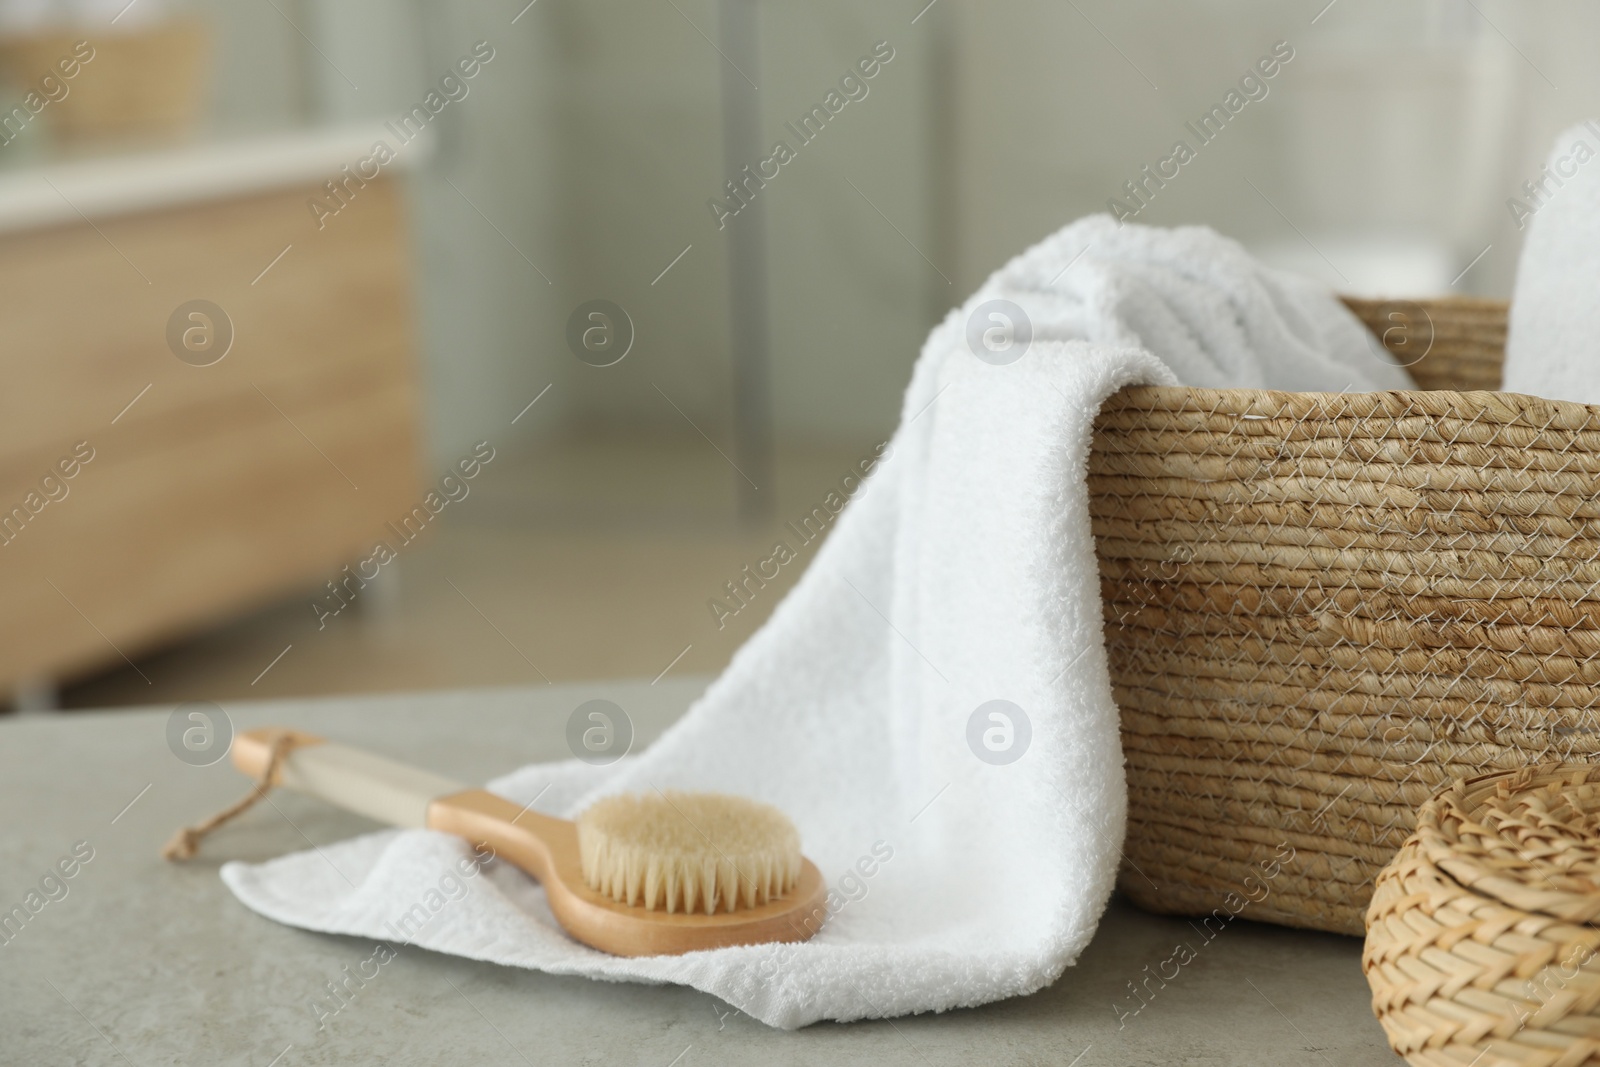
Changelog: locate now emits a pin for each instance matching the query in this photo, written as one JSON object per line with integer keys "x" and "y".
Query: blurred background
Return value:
{"x": 464, "y": 280}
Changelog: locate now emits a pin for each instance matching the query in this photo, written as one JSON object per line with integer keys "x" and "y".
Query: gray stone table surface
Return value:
{"x": 143, "y": 962}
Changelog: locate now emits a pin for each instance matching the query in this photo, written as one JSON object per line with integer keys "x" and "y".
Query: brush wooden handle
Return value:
{"x": 357, "y": 781}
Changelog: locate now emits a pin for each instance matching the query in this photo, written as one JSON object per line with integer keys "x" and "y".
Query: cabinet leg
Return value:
{"x": 379, "y": 602}
{"x": 37, "y": 694}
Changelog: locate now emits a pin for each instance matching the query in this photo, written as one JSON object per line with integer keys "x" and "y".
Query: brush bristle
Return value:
{"x": 688, "y": 851}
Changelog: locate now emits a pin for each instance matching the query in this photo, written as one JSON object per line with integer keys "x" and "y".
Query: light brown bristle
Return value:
{"x": 688, "y": 851}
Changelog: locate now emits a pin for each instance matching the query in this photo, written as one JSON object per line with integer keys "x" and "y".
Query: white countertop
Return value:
{"x": 51, "y": 193}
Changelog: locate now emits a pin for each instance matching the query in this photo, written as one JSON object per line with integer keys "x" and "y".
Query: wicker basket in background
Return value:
{"x": 1321, "y": 607}
{"x": 147, "y": 84}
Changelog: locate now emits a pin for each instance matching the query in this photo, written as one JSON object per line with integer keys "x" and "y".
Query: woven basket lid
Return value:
{"x": 1528, "y": 838}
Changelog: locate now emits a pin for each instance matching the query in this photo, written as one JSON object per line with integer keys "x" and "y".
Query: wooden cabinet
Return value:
{"x": 221, "y": 486}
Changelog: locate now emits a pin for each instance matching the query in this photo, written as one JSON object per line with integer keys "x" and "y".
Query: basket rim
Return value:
{"x": 1491, "y": 406}
{"x": 1464, "y": 800}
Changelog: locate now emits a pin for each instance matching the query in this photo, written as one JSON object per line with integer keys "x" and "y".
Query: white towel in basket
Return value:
{"x": 971, "y": 845}
{"x": 1551, "y": 346}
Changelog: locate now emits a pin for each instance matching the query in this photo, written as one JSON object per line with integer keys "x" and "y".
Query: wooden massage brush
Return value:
{"x": 647, "y": 875}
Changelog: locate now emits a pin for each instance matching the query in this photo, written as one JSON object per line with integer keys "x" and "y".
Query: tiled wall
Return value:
{"x": 594, "y": 142}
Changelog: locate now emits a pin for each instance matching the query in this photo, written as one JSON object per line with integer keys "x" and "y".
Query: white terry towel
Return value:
{"x": 1553, "y": 345}
{"x": 964, "y": 573}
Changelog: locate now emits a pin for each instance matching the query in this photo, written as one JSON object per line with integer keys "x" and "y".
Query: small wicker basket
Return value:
{"x": 1321, "y": 607}
{"x": 146, "y": 84}
{"x": 1481, "y": 938}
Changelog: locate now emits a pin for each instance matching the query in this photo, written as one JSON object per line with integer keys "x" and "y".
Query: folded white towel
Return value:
{"x": 965, "y": 573}
{"x": 1553, "y": 347}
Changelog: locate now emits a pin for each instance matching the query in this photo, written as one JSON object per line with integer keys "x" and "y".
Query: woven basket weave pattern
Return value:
{"x": 1321, "y": 607}
{"x": 1480, "y": 945}
{"x": 1456, "y": 344}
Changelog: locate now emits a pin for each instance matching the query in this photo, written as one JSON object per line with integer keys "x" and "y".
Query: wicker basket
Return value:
{"x": 1481, "y": 939}
{"x": 144, "y": 84}
{"x": 1321, "y": 607}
